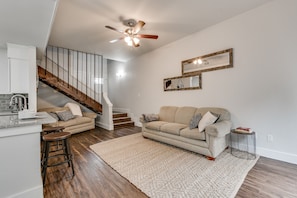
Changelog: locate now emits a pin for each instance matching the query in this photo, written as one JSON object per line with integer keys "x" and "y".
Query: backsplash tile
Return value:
{"x": 4, "y": 102}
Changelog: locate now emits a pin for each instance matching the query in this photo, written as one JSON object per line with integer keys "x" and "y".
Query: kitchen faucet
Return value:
{"x": 20, "y": 107}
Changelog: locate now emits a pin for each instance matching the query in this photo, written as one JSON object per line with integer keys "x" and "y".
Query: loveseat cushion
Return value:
{"x": 192, "y": 134}
{"x": 76, "y": 121}
{"x": 155, "y": 125}
{"x": 172, "y": 128}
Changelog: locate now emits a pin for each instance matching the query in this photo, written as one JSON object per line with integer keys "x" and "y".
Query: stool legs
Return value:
{"x": 45, "y": 161}
{"x": 46, "y": 150}
{"x": 69, "y": 155}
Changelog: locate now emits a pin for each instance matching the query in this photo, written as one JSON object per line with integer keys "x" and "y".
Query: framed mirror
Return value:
{"x": 188, "y": 82}
{"x": 218, "y": 60}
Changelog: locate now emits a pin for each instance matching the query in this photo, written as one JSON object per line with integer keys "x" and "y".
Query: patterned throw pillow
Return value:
{"x": 194, "y": 121}
{"x": 65, "y": 115}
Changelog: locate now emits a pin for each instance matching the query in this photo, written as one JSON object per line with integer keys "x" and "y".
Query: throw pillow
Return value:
{"x": 74, "y": 108}
{"x": 194, "y": 121}
{"x": 150, "y": 117}
{"x": 207, "y": 119}
{"x": 65, "y": 115}
{"x": 54, "y": 115}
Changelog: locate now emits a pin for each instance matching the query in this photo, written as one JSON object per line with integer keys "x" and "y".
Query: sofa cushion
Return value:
{"x": 224, "y": 114}
{"x": 76, "y": 121}
{"x": 184, "y": 115}
{"x": 192, "y": 134}
{"x": 155, "y": 125}
{"x": 207, "y": 119}
{"x": 167, "y": 113}
{"x": 195, "y": 121}
{"x": 172, "y": 128}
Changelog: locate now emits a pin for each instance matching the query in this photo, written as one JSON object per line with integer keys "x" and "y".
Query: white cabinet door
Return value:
{"x": 19, "y": 75}
{"x": 4, "y": 79}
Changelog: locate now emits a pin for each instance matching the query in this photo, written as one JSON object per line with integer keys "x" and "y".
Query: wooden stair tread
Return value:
{"x": 127, "y": 122}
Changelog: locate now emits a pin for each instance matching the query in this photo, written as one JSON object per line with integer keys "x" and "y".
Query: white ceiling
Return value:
{"x": 26, "y": 22}
{"x": 80, "y": 24}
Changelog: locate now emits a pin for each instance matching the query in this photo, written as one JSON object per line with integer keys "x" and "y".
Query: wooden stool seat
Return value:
{"x": 53, "y": 129}
{"x": 56, "y": 136}
{"x": 65, "y": 151}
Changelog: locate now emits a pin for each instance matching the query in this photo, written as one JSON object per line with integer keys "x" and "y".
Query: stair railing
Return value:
{"x": 80, "y": 70}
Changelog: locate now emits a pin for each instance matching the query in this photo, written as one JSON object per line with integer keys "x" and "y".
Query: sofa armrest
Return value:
{"x": 89, "y": 114}
{"x": 219, "y": 129}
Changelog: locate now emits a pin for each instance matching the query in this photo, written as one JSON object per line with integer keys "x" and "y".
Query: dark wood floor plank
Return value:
{"x": 94, "y": 178}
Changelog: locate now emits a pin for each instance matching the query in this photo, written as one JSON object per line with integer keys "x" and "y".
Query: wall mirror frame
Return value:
{"x": 209, "y": 62}
{"x": 186, "y": 82}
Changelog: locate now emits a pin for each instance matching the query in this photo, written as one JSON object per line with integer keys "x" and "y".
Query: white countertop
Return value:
{"x": 11, "y": 121}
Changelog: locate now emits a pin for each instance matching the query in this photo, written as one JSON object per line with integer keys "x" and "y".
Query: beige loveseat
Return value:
{"x": 172, "y": 126}
{"x": 74, "y": 125}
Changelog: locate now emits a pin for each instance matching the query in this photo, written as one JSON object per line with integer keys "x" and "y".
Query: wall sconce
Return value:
{"x": 120, "y": 74}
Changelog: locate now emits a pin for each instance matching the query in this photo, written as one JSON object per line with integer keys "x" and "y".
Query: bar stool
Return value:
{"x": 47, "y": 130}
{"x": 66, "y": 152}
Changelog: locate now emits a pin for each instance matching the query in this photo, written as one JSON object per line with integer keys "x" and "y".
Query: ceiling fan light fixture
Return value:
{"x": 131, "y": 36}
{"x": 129, "y": 40}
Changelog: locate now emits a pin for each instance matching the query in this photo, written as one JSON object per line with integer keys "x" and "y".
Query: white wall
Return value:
{"x": 260, "y": 91}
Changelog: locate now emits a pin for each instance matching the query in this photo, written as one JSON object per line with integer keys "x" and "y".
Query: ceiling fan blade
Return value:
{"x": 116, "y": 40}
{"x": 138, "y": 27}
{"x": 149, "y": 36}
{"x": 112, "y": 28}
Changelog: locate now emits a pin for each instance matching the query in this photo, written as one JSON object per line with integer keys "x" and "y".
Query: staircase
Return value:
{"x": 121, "y": 120}
{"x": 63, "y": 87}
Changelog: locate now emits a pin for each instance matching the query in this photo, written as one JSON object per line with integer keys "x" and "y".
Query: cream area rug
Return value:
{"x": 161, "y": 170}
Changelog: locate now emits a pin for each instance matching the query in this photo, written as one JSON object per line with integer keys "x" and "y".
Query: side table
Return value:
{"x": 243, "y": 145}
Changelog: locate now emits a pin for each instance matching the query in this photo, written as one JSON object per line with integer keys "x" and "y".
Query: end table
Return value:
{"x": 243, "y": 145}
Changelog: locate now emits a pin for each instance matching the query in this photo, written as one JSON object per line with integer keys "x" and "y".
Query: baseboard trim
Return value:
{"x": 277, "y": 155}
{"x": 29, "y": 193}
{"x": 104, "y": 126}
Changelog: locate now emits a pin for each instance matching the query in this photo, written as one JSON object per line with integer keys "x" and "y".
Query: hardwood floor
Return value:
{"x": 93, "y": 178}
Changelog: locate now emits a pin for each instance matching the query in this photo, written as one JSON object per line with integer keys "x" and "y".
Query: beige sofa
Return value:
{"x": 172, "y": 127}
{"x": 77, "y": 124}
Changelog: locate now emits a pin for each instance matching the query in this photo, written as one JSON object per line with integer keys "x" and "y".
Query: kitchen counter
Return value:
{"x": 20, "y": 174}
{"x": 12, "y": 121}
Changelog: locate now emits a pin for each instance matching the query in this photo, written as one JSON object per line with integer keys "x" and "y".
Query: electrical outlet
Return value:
{"x": 269, "y": 138}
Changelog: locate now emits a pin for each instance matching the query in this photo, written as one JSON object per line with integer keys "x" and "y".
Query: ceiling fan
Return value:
{"x": 130, "y": 35}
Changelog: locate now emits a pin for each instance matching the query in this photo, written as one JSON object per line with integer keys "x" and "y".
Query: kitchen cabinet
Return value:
{"x": 22, "y": 72}
{"x": 19, "y": 75}
{"x": 4, "y": 89}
